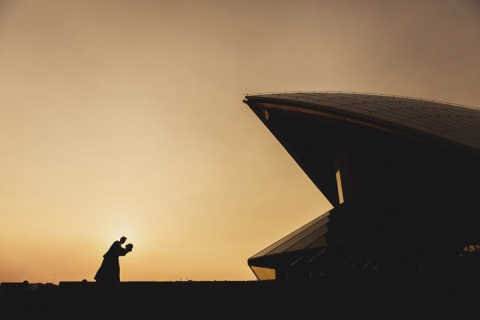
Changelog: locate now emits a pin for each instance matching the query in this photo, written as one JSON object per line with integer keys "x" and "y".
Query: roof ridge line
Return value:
{"x": 364, "y": 93}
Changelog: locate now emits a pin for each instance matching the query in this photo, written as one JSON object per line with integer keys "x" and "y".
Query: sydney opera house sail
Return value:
{"x": 402, "y": 174}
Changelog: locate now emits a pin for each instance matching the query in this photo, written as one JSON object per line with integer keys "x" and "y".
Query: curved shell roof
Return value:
{"x": 455, "y": 125}
{"x": 311, "y": 235}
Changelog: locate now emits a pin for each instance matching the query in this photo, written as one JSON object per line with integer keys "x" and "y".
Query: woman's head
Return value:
{"x": 129, "y": 246}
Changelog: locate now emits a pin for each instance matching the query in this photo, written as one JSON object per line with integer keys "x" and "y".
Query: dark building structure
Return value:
{"x": 402, "y": 174}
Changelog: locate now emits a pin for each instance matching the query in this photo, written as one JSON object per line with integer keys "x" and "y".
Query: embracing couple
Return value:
{"x": 110, "y": 269}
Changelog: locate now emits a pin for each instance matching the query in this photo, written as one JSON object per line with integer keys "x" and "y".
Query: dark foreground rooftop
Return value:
{"x": 321, "y": 299}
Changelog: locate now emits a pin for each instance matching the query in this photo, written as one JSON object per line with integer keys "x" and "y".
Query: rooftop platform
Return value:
{"x": 321, "y": 299}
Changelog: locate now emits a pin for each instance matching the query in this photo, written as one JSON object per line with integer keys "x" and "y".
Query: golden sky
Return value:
{"x": 125, "y": 117}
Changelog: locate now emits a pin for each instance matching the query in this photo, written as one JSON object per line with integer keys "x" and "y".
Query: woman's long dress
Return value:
{"x": 110, "y": 269}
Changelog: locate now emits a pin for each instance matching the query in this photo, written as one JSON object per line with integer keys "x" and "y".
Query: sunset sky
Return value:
{"x": 125, "y": 118}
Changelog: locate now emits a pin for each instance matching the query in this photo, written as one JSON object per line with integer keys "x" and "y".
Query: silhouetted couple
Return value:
{"x": 110, "y": 269}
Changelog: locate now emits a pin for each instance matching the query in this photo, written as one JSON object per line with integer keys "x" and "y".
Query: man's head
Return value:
{"x": 122, "y": 240}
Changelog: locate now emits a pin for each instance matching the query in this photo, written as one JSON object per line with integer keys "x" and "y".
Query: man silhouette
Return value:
{"x": 110, "y": 269}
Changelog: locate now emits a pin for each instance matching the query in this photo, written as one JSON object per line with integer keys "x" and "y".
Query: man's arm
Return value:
{"x": 123, "y": 251}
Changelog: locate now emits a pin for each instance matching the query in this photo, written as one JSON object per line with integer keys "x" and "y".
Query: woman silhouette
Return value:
{"x": 110, "y": 269}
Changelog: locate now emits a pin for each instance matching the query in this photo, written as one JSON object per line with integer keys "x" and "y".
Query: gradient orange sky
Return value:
{"x": 126, "y": 118}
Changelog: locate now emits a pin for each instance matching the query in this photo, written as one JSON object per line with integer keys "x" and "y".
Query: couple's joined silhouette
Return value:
{"x": 110, "y": 269}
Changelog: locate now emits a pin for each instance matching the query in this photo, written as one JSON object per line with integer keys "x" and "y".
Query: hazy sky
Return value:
{"x": 126, "y": 118}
